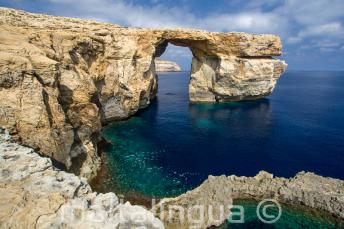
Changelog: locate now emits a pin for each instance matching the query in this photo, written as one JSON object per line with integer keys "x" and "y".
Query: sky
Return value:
{"x": 312, "y": 31}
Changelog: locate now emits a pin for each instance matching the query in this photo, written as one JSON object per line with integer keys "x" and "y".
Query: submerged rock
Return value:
{"x": 166, "y": 66}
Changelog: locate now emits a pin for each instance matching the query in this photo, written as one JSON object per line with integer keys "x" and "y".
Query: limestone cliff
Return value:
{"x": 62, "y": 78}
{"x": 166, "y": 66}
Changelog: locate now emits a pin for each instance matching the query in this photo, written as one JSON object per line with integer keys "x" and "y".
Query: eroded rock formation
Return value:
{"x": 166, "y": 66}
{"x": 62, "y": 78}
{"x": 34, "y": 194}
{"x": 306, "y": 189}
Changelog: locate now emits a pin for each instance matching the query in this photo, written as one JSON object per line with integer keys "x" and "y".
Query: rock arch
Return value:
{"x": 64, "y": 78}
{"x": 228, "y": 66}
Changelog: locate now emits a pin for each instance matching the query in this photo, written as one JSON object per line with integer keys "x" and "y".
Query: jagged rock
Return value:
{"x": 306, "y": 189}
{"x": 34, "y": 194}
{"x": 62, "y": 78}
{"x": 166, "y": 66}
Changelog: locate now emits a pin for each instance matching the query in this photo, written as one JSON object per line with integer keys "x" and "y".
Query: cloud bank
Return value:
{"x": 316, "y": 26}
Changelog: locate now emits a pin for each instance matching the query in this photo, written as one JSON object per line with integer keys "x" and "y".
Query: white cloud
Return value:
{"x": 159, "y": 16}
{"x": 294, "y": 40}
{"x": 177, "y": 51}
{"x": 313, "y": 12}
{"x": 330, "y": 29}
{"x": 257, "y": 22}
{"x": 326, "y": 44}
{"x": 296, "y": 21}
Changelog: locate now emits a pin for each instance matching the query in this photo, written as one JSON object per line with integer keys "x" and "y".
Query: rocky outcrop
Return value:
{"x": 62, "y": 78}
{"x": 306, "y": 189}
{"x": 34, "y": 194}
{"x": 166, "y": 66}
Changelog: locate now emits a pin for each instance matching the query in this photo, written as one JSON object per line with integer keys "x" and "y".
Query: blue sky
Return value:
{"x": 312, "y": 31}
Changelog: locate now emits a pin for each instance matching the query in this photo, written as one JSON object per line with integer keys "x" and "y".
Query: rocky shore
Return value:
{"x": 34, "y": 194}
{"x": 166, "y": 66}
{"x": 61, "y": 79}
{"x": 307, "y": 189}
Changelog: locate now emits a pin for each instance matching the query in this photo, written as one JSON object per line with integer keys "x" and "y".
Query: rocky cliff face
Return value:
{"x": 62, "y": 78}
{"x": 166, "y": 66}
{"x": 307, "y": 189}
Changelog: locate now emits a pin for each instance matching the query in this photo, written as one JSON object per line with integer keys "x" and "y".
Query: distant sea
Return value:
{"x": 172, "y": 146}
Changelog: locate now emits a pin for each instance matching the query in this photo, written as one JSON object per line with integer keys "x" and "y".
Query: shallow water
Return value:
{"x": 295, "y": 217}
{"x": 172, "y": 146}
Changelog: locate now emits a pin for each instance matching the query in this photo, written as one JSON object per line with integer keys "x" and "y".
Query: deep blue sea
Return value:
{"x": 172, "y": 146}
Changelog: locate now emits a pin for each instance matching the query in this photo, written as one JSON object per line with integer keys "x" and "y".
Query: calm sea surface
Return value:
{"x": 172, "y": 146}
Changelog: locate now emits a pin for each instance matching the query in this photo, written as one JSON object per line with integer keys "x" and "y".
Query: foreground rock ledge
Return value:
{"x": 34, "y": 194}
{"x": 62, "y": 78}
{"x": 306, "y": 189}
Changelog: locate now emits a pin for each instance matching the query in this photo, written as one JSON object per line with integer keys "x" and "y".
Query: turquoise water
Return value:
{"x": 291, "y": 217}
{"x": 172, "y": 146}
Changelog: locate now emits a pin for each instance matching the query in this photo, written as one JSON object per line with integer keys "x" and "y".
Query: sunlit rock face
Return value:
{"x": 34, "y": 194}
{"x": 62, "y": 78}
{"x": 233, "y": 78}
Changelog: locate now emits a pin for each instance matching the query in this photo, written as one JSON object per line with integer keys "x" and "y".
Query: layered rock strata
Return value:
{"x": 306, "y": 189}
{"x": 166, "y": 66}
{"x": 34, "y": 194}
{"x": 62, "y": 78}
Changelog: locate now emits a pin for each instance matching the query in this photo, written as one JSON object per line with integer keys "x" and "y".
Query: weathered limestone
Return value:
{"x": 34, "y": 194}
{"x": 166, "y": 66}
{"x": 233, "y": 78}
{"x": 306, "y": 189}
{"x": 62, "y": 78}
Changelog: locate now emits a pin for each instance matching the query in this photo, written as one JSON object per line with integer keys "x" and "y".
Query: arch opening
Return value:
{"x": 226, "y": 71}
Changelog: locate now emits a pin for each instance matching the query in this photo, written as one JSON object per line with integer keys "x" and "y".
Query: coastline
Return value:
{"x": 19, "y": 153}
{"x": 64, "y": 80}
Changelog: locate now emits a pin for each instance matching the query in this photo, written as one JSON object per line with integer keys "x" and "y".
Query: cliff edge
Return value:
{"x": 35, "y": 194}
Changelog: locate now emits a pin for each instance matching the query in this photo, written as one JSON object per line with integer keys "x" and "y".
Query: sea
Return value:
{"x": 172, "y": 146}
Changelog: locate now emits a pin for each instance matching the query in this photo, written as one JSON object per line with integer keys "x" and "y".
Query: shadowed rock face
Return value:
{"x": 62, "y": 78}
